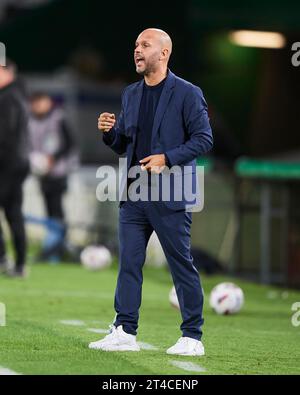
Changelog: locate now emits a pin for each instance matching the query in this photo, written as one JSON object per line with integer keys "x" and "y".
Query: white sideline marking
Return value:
{"x": 98, "y": 330}
{"x": 189, "y": 366}
{"x": 7, "y": 372}
{"x": 147, "y": 346}
{"x": 269, "y": 332}
{"x": 73, "y": 322}
{"x": 58, "y": 293}
{"x": 71, "y": 294}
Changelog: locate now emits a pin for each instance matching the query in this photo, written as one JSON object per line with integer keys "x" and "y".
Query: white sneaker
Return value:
{"x": 187, "y": 346}
{"x": 116, "y": 340}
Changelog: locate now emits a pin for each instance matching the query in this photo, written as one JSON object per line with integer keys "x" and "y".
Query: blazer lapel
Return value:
{"x": 133, "y": 118}
{"x": 165, "y": 97}
{"x": 136, "y": 101}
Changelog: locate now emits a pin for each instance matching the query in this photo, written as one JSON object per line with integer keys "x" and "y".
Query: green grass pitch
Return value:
{"x": 259, "y": 340}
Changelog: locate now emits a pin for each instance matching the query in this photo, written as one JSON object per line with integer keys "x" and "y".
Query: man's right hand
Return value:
{"x": 106, "y": 121}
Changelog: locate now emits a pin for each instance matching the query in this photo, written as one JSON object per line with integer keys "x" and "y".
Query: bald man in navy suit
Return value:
{"x": 163, "y": 126}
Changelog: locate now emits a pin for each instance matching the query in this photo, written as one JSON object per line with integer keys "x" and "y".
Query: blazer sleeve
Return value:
{"x": 116, "y": 138}
{"x": 198, "y": 128}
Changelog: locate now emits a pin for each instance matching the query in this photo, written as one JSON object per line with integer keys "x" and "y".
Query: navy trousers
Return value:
{"x": 137, "y": 220}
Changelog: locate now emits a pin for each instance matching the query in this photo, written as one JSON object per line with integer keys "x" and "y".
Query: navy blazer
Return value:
{"x": 181, "y": 129}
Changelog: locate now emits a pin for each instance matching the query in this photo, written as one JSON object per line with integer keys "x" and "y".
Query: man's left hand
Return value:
{"x": 154, "y": 163}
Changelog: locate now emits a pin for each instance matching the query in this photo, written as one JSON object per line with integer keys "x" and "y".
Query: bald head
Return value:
{"x": 152, "y": 52}
{"x": 161, "y": 36}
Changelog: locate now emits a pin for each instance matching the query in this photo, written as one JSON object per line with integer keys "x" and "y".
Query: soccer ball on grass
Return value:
{"x": 95, "y": 257}
{"x": 226, "y": 298}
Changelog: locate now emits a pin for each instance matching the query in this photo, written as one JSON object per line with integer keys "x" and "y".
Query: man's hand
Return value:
{"x": 106, "y": 121}
{"x": 154, "y": 163}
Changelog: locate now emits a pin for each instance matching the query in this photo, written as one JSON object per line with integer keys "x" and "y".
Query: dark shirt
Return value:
{"x": 13, "y": 130}
{"x": 149, "y": 103}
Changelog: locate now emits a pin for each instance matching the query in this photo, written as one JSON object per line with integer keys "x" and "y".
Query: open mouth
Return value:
{"x": 139, "y": 60}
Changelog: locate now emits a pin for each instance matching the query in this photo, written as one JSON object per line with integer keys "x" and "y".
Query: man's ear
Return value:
{"x": 164, "y": 54}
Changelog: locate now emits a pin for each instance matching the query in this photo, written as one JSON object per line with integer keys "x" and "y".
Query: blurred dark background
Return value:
{"x": 253, "y": 90}
{"x": 81, "y": 53}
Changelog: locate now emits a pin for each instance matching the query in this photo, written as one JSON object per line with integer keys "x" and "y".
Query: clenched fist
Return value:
{"x": 106, "y": 121}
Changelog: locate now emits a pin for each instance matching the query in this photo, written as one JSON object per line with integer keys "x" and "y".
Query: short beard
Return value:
{"x": 150, "y": 67}
{"x": 143, "y": 73}
{"x": 148, "y": 70}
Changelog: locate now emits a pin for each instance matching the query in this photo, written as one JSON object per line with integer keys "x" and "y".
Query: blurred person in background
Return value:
{"x": 53, "y": 156}
{"x": 14, "y": 165}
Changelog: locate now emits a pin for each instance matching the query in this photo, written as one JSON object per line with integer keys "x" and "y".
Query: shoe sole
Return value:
{"x": 104, "y": 347}
{"x": 120, "y": 348}
{"x": 187, "y": 354}
{"x": 96, "y": 347}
